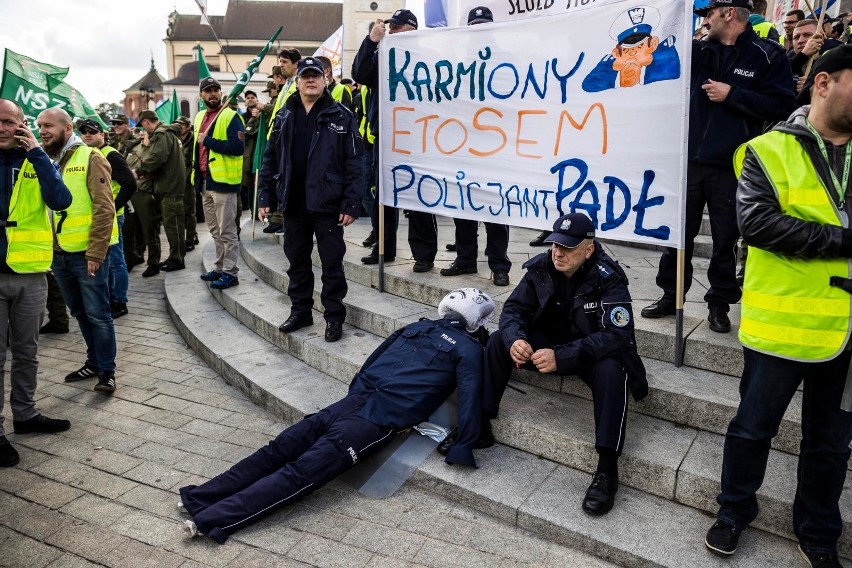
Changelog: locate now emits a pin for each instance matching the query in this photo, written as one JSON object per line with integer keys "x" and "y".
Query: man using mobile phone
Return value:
{"x": 27, "y": 178}
{"x": 313, "y": 166}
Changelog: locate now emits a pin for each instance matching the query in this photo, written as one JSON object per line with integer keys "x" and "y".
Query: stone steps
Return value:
{"x": 689, "y": 396}
{"x": 519, "y": 487}
{"x": 661, "y": 458}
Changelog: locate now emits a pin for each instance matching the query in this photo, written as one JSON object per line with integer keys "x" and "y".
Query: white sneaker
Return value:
{"x": 180, "y": 507}
{"x": 190, "y": 529}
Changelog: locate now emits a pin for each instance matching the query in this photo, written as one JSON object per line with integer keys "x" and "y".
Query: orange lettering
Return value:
{"x": 519, "y": 140}
{"x": 579, "y": 126}
{"x": 484, "y": 127}
{"x": 425, "y": 120}
{"x": 438, "y": 132}
{"x": 395, "y": 131}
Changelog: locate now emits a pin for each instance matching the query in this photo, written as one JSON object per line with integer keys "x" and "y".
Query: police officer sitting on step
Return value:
{"x": 571, "y": 314}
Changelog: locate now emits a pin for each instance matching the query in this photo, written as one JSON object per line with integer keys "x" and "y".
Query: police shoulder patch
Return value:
{"x": 604, "y": 270}
{"x": 619, "y": 316}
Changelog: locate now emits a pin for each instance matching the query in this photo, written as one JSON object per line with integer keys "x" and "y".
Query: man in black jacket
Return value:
{"x": 313, "y": 165}
{"x": 739, "y": 81}
{"x": 571, "y": 314}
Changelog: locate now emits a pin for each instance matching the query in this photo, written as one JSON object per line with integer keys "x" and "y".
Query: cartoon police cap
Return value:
{"x": 634, "y": 25}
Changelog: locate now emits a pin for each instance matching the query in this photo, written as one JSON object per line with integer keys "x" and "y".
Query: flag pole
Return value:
{"x": 679, "y": 302}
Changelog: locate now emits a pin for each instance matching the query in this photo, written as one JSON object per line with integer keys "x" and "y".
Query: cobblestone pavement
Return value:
{"x": 104, "y": 492}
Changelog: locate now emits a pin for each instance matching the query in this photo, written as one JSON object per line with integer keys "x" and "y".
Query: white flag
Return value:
{"x": 202, "y": 5}
{"x": 333, "y": 49}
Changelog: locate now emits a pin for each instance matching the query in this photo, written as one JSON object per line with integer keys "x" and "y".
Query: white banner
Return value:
{"x": 509, "y": 10}
{"x": 518, "y": 123}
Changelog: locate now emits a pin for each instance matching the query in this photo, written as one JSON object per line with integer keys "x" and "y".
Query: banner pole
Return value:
{"x": 253, "y": 206}
{"x": 679, "y": 301}
{"x": 381, "y": 246}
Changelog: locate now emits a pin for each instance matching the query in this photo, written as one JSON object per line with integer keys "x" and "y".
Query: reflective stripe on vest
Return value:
{"x": 364, "y": 125}
{"x": 72, "y": 225}
{"x": 279, "y": 102}
{"x": 30, "y": 240}
{"x": 222, "y": 167}
{"x": 106, "y": 151}
{"x": 788, "y": 308}
{"x": 762, "y": 29}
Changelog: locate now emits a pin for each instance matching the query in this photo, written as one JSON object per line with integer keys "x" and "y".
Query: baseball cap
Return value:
{"x": 834, "y": 59}
{"x": 183, "y": 121}
{"x": 119, "y": 119}
{"x": 723, "y": 4}
{"x": 270, "y": 86}
{"x": 402, "y": 17}
{"x": 208, "y": 82}
{"x": 147, "y": 115}
{"x": 480, "y": 15}
{"x": 309, "y": 64}
{"x": 276, "y": 70}
{"x": 89, "y": 124}
{"x": 570, "y": 230}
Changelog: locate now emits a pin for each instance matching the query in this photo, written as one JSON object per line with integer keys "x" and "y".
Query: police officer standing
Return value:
{"x": 422, "y": 227}
{"x": 571, "y": 314}
{"x": 467, "y": 243}
{"x": 313, "y": 165}
{"x": 738, "y": 81}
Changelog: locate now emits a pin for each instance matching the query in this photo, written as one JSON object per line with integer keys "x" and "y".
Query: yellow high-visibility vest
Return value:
{"x": 279, "y": 102}
{"x": 222, "y": 167}
{"x": 28, "y": 231}
{"x": 788, "y": 307}
{"x": 72, "y": 225}
{"x": 364, "y": 124}
{"x": 106, "y": 151}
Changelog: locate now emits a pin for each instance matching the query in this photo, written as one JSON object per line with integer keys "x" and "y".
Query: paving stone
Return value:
{"x": 84, "y": 477}
{"x": 327, "y": 525}
{"x": 271, "y": 534}
{"x": 157, "y": 475}
{"x": 441, "y": 555}
{"x": 256, "y": 558}
{"x": 384, "y": 540}
{"x": 97, "y": 510}
{"x": 37, "y": 522}
{"x": 92, "y": 542}
{"x": 205, "y": 551}
{"x": 147, "y": 528}
{"x": 36, "y": 488}
{"x": 159, "y": 453}
{"x": 202, "y": 465}
{"x": 20, "y": 550}
{"x": 153, "y": 500}
{"x": 137, "y": 554}
{"x": 72, "y": 561}
{"x": 325, "y": 553}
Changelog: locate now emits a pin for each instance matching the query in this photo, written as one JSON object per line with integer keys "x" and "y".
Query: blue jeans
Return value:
{"x": 88, "y": 299}
{"x": 767, "y": 386}
{"x": 118, "y": 278}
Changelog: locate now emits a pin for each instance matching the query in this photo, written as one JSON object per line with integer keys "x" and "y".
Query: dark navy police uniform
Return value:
{"x": 588, "y": 321}
{"x": 401, "y": 384}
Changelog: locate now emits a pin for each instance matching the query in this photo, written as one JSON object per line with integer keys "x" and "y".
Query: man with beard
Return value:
{"x": 123, "y": 187}
{"x": 83, "y": 233}
{"x": 182, "y": 128}
{"x": 252, "y": 119}
{"x": 217, "y": 173}
{"x": 164, "y": 163}
{"x": 28, "y": 179}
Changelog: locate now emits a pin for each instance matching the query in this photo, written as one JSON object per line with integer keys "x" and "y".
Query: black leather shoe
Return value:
{"x": 600, "y": 496}
{"x": 8, "y": 454}
{"x": 134, "y": 262}
{"x": 719, "y": 320}
{"x": 295, "y": 322}
{"x": 423, "y": 266}
{"x": 456, "y": 269}
{"x": 501, "y": 278}
{"x": 450, "y": 247}
{"x": 485, "y": 440}
{"x": 370, "y": 240}
{"x": 820, "y": 559}
{"x": 373, "y": 257}
{"x": 539, "y": 240}
{"x": 118, "y": 309}
{"x": 171, "y": 266}
{"x": 665, "y": 306}
{"x": 53, "y": 327}
{"x": 190, "y": 247}
{"x": 152, "y": 270}
{"x": 273, "y": 228}
{"x": 40, "y": 424}
{"x": 333, "y": 331}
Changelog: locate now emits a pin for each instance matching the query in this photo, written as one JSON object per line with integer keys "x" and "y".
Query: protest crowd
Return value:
{"x": 769, "y": 157}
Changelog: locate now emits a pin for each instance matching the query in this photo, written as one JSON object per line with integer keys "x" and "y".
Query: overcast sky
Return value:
{"x": 106, "y": 43}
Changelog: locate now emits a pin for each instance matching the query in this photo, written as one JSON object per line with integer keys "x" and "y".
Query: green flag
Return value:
{"x": 203, "y": 71}
{"x": 37, "y": 86}
{"x": 245, "y": 76}
{"x": 260, "y": 145}
{"x": 175, "y": 107}
{"x": 164, "y": 111}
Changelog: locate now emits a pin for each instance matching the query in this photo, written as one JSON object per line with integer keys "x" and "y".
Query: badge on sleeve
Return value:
{"x": 619, "y": 316}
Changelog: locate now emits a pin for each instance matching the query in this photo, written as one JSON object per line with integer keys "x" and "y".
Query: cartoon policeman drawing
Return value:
{"x": 639, "y": 58}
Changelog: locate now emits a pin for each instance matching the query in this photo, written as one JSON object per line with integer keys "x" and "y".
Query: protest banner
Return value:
{"x": 332, "y": 48}
{"x": 510, "y": 10}
{"x": 37, "y": 86}
{"x": 493, "y": 123}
